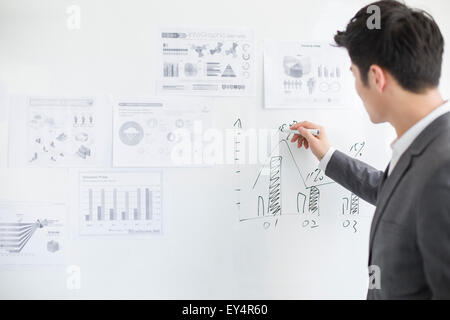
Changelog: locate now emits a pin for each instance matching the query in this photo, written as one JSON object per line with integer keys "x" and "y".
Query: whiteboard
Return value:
{"x": 205, "y": 251}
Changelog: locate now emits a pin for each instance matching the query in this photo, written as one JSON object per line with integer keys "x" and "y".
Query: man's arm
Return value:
{"x": 354, "y": 175}
{"x": 433, "y": 232}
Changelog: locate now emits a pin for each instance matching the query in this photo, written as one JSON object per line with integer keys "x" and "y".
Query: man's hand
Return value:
{"x": 319, "y": 145}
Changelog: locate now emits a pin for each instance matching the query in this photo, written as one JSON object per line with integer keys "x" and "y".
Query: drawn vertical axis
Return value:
{"x": 237, "y": 133}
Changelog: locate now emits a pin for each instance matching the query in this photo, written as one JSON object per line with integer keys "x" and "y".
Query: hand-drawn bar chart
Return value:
{"x": 120, "y": 202}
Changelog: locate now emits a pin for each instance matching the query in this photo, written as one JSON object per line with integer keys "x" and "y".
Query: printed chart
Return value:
{"x": 157, "y": 132}
{"x": 217, "y": 62}
{"x": 120, "y": 202}
{"x": 32, "y": 233}
{"x": 304, "y": 75}
{"x": 59, "y": 132}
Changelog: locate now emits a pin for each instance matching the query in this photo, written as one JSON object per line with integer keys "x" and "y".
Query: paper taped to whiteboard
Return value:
{"x": 206, "y": 61}
{"x": 300, "y": 74}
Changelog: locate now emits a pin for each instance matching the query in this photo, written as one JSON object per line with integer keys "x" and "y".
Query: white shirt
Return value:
{"x": 400, "y": 145}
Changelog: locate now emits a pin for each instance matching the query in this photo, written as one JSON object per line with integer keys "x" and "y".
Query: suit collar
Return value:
{"x": 432, "y": 131}
{"x": 401, "y": 144}
{"x": 390, "y": 182}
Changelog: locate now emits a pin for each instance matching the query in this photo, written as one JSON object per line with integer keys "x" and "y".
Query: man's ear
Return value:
{"x": 377, "y": 77}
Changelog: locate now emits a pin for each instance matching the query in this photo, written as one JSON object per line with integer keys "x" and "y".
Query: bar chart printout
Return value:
{"x": 120, "y": 202}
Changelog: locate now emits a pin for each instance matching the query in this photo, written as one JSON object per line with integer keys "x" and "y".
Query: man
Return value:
{"x": 397, "y": 70}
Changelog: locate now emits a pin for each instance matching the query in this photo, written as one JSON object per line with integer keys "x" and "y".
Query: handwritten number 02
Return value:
{"x": 307, "y": 222}
{"x": 347, "y": 223}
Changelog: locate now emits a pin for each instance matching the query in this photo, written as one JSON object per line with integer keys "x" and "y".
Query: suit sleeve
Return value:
{"x": 355, "y": 175}
{"x": 433, "y": 232}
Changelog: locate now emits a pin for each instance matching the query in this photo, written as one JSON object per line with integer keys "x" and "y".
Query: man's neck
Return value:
{"x": 410, "y": 108}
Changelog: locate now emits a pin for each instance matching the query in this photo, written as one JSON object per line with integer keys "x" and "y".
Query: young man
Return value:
{"x": 397, "y": 70}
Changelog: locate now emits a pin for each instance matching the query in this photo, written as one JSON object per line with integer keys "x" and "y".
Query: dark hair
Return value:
{"x": 409, "y": 45}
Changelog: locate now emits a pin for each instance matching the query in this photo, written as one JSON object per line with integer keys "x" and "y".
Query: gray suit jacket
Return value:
{"x": 410, "y": 233}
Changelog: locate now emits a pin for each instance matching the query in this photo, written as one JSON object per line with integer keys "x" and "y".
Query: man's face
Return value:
{"x": 371, "y": 98}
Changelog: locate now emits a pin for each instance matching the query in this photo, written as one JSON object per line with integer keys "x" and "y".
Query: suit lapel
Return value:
{"x": 387, "y": 187}
{"x": 385, "y": 175}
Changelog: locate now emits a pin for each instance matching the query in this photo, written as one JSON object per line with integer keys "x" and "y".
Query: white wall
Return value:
{"x": 201, "y": 254}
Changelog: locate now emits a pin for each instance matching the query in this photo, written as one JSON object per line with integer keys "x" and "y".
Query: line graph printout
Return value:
{"x": 59, "y": 132}
{"x": 120, "y": 203}
{"x": 32, "y": 233}
{"x": 300, "y": 74}
{"x": 160, "y": 132}
{"x": 211, "y": 62}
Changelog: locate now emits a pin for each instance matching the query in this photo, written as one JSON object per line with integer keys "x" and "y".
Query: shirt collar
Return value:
{"x": 400, "y": 145}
